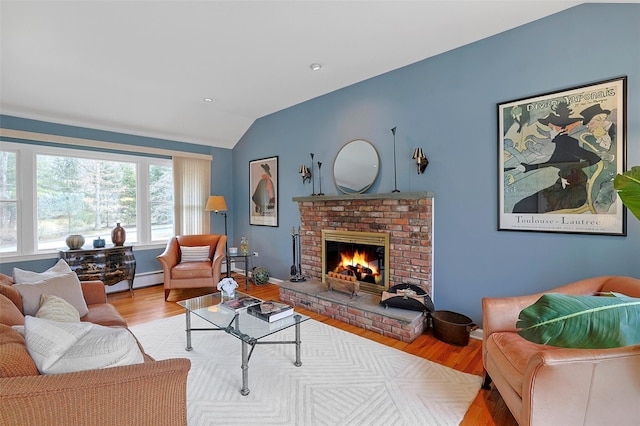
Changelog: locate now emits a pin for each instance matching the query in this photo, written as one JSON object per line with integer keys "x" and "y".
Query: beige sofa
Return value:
{"x": 151, "y": 393}
{"x": 545, "y": 385}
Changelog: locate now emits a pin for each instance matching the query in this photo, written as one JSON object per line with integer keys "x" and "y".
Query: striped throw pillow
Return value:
{"x": 194, "y": 254}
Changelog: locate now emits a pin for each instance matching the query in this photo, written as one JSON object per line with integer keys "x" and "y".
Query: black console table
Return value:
{"x": 109, "y": 264}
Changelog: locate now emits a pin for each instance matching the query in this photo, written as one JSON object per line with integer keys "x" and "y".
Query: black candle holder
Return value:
{"x": 395, "y": 176}
{"x": 313, "y": 184}
{"x": 320, "y": 177}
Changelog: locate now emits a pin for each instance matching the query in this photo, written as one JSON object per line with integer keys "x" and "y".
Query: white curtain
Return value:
{"x": 192, "y": 186}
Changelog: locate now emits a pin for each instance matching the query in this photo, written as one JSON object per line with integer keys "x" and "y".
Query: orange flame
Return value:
{"x": 358, "y": 260}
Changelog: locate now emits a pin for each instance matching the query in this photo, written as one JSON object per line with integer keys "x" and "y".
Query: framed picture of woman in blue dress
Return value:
{"x": 263, "y": 191}
{"x": 557, "y": 156}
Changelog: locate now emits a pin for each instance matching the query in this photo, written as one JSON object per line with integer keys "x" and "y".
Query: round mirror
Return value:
{"x": 356, "y": 167}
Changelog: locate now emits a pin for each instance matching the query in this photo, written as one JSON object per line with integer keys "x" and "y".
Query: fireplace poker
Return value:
{"x": 300, "y": 257}
{"x": 294, "y": 271}
{"x": 296, "y": 268}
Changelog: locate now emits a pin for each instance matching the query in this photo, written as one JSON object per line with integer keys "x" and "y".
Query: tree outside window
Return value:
{"x": 84, "y": 196}
{"x": 161, "y": 202}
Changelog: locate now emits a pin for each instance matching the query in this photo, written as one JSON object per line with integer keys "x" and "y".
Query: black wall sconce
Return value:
{"x": 305, "y": 173}
{"x": 421, "y": 160}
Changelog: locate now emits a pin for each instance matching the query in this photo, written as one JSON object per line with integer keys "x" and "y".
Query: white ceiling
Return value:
{"x": 143, "y": 67}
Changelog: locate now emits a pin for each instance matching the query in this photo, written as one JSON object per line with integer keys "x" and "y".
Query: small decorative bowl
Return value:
{"x": 75, "y": 241}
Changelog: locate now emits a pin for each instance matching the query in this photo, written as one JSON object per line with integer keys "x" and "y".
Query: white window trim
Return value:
{"x": 27, "y": 245}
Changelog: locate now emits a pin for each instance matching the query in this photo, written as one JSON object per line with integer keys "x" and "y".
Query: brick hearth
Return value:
{"x": 363, "y": 310}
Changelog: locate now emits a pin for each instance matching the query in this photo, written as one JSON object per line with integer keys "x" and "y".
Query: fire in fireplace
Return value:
{"x": 364, "y": 266}
{"x": 364, "y": 255}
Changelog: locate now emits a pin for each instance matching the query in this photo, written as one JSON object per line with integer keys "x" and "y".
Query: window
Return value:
{"x": 81, "y": 192}
{"x": 161, "y": 201}
{"x": 8, "y": 203}
{"x": 83, "y": 196}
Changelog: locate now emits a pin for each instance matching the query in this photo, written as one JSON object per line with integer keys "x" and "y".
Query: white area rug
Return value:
{"x": 344, "y": 379}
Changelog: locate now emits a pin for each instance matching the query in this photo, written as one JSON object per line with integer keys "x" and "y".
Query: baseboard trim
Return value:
{"x": 148, "y": 279}
{"x": 141, "y": 280}
{"x": 477, "y": 334}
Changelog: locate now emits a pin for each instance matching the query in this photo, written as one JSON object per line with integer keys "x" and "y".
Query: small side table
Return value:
{"x": 242, "y": 258}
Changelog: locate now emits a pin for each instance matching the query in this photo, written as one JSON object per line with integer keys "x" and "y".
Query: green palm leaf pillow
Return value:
{"x": 589, "y": 322}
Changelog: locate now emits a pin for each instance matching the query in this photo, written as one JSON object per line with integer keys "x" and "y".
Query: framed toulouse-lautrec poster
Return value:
{"x": 263, "y": 191}
{"x": 558, "y": 155}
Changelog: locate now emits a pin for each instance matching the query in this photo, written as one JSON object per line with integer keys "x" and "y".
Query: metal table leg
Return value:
{"x": 298, "y": 363}
{"x": 245, "y": 369}
{"x": 246, "y": 272}
{"x": 188, "y": 317}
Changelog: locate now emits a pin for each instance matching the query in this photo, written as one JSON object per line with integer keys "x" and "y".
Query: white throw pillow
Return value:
{"x": 194, "y": 254}
{"x": 65, "y": 286}
{"x": 63, "y": 347}
{"x": 20, "y": 276}
{"x": 55, "y": 308}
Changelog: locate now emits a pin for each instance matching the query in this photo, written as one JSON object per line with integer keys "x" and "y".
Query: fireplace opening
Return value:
{"x": 363, "y": 255}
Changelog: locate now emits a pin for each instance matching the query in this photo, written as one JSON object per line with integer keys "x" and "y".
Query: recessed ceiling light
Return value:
{"x": 315, "y": 66}
{"x": 208, "y": 99}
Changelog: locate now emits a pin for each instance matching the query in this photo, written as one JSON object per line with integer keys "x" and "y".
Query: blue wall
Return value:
{"x": 447, "y": 106}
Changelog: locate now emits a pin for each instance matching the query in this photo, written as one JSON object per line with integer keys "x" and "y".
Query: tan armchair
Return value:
{"x": 546, "y": 385}
{"x": 179, "y": 274}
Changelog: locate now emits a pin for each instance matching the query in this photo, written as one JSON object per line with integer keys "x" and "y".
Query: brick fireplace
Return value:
{"x": 407, "y": 219}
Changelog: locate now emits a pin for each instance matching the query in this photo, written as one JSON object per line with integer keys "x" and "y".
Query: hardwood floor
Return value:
{"x": 487, "y": 409}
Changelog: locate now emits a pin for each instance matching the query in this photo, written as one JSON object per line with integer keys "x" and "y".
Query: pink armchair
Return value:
{"x": 178, "y": 274}
{"x": 547, "y": 385}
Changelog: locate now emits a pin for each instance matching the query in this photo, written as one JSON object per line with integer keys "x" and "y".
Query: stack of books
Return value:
{"x": 270, "y": 310}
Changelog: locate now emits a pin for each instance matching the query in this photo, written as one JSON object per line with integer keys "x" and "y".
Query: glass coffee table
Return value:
{"x": 241, "y": 325}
